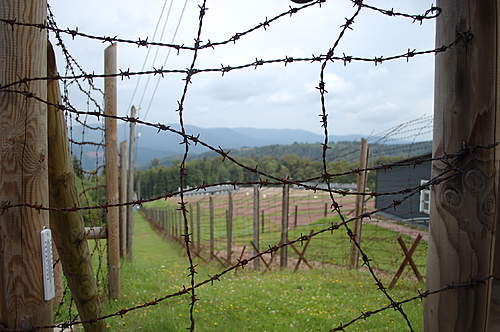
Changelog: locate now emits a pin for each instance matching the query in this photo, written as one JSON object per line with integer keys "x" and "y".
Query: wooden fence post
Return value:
{"x": 262, "y": 220}
{"x": 180, "y": 223}
{"x": 212, "y": 226}
{"x": 111, "y": 167}
{"x": 68, "y": 227}
{"x": 284, "y": 225}
{"x": 256, "y": 240}
{"x": 229, "y": 228}
{"x": 130, "y": 186}
{"x": 325, "y": 210}
{"x": 191, "y": 226}
{"x": 123, "y": 199}
{"x": 464, "y": 241}
{"x": 295, "y": 216}
{"x": 198, "y": 227}
{"x": 23, "y": 156}
{"x": 360, "y": 199}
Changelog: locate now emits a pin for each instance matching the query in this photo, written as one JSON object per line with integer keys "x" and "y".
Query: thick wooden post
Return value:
{"x": 123, "y": 198}
{"x": 229, "y": 228}
{"x": 130, "y": 186}
{"x": 198, "y": 227}
{"x": 464, "y": 241}
{"x": 68, "y": 227}
{"x": 212, "y": 226}
{"x": 111, "y": 169}
{"x": 23, "y": 179}
{"x": 360, "y": 199}
{"x": 325, "y": 210}
{"x": 256, "y": 240}
{"x": 284, "y": 225}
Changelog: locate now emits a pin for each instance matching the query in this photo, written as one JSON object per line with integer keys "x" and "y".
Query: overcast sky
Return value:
{"x": 362, "y": 98}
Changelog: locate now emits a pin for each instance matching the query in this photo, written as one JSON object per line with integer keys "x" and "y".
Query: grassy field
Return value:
{"x": 315, "y": 300}
{"x": 380, "y": 244}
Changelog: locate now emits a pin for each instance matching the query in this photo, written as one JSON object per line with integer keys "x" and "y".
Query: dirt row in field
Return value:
{"x": 310, "y": 205}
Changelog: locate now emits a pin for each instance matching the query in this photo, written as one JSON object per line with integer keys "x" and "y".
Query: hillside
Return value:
{"x": 348, "y": 151}
{"x": 165, "y": 145}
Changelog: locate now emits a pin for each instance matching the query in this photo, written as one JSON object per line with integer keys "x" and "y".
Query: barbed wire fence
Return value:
{"x": 75, "y": 75}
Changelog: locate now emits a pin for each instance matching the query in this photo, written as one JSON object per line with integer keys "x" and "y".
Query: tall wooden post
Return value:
{"x": 212, "y": 226}
{"x": 123, "y": 198}
{"x": 464, "y": 241}
{"x": 229, "y": 227}
{"x": 360, "y": 199}
{"x": 256, "y": 240}
{"x": 262, "y": 221}
{"x": 191, "y": 226}
{"x": 111, "y": 168}
{"x": 295, "y": 216}
{"x": 68, "y": 227}
{"x": 284, "y": 225}
{"x": 325, "y": 210}
{"x": 198, "y": 227}
{"x": 130, "y": 186}
{"x": 23, "y": 155}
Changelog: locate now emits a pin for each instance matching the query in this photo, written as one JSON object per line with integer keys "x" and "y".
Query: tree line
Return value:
{"x": 160, "y": 179}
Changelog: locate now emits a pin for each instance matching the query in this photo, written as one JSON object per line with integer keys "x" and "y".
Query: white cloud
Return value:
{"x": 361, "y": 96}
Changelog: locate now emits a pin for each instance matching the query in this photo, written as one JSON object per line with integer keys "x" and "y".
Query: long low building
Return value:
{"x": 333, "y": 185}
{"x": 395, "y": 179}
{"x": 215, "y": 190}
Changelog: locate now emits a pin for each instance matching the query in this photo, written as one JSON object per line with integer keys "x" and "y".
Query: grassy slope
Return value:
{"x": 306, "y": 301}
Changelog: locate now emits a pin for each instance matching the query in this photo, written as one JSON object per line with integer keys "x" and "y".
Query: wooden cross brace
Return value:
{"x": 407, "y": 260}
{"x": 266, "y": 263}
{"x": 302, "y": 253}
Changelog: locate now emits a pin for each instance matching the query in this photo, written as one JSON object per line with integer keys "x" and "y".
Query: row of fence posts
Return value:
{"x": 169, "y": 221}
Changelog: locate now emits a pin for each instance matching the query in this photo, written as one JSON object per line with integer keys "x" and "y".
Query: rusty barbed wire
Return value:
{"x": 242, "y": 263}
{"x": 182, "y": 203}
{"x": 420, "y": 296}
{"x": 188, "y": 139}
{"x": 345, "y": 59}
{"x": 429, "y": 14}
{"x": 324, "y": 123}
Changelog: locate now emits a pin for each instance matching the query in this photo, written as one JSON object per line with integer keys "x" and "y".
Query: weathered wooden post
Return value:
{"x": 198, "y": 227}
{"x": 229, "y": 228}
{"x": 212, "y": 226}
{"x": 111, "y": 168}
{"x": 256, "y": 240}
{"x": 295, "y": 216}
{"x": 464, "y": 241}
{"x": 130, "y": 186}
{"x": 325, "y": 210}
{"x": 262, "y": 220}
{"x": 123, "y": 199}
{"x": 284, "y": 225}
{"x": 23, "y": 53}
{"x": 68, "y": 227}
{"x": 360, "y": 199}
{"x": 191, "y": 226}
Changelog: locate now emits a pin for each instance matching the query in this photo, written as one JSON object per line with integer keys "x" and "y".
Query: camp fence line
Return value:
{"x": 432, "y": 13}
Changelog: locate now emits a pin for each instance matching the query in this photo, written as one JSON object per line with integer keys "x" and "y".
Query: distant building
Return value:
{"x": 414, "y": 209}
{"x": 333, "y": 185}
{"x": 215, "y": 190}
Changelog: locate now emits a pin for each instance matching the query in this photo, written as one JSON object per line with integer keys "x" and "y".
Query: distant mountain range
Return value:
{"x": 167, "y": 146}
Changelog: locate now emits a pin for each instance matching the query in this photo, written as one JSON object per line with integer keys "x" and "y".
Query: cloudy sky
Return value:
{"x": 362, "y": 98}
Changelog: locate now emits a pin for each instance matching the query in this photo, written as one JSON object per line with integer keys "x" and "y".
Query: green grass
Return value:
{"x": 315, "y": 300}
{"x": 379, "y": 244}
